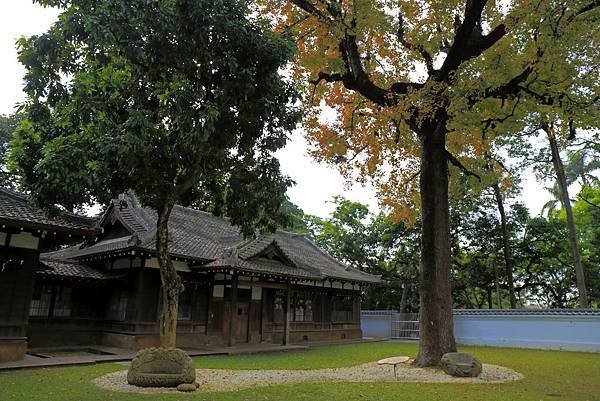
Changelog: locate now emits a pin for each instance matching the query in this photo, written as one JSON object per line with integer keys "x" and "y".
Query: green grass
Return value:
{"x": 549, "y": 375}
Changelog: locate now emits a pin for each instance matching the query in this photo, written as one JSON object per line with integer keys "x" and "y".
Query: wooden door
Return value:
{"x": 241, "y": 322}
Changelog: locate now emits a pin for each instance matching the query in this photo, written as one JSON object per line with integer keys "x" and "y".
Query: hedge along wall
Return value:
{"x": 568, "y": 329}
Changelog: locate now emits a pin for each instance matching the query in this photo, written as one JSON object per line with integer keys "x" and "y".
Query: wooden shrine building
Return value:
{"x": 277, "y": 288}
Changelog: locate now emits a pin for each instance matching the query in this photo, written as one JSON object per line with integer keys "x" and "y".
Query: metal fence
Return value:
{"x": 405, "y": 325}
{"x": 390, "y": 324}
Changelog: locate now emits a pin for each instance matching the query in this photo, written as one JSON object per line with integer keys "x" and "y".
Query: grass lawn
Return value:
{"x": 549, "y": 375}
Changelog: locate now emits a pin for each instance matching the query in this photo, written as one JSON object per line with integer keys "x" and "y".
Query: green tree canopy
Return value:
{"x": 179, "y": 100}
{"x": 374, "y": 244}
{"x": 8, "y": 124}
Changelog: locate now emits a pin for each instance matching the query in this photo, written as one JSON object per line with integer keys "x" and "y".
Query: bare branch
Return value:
{"x": 356, "y": 78}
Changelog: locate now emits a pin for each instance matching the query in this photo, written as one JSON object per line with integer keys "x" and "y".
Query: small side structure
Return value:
{"x": 25, "y": 231}
{"x": 279, "y": 288}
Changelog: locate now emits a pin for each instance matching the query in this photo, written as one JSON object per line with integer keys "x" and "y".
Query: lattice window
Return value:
{"x": 302, "y": 305}
{"x": 117, "y": 309}
{"x": 343, "y": 309}
{"x": 184, "y": 310}
{"x": 50, "y": 301}
{"x": 62, "y": 302}
{"x": 41, "y": 300}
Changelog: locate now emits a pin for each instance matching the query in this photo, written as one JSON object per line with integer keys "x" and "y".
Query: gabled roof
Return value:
{"x": 17, "y": 211}
{"x": 211, "y": 243}
{"x": 264, "y": 245}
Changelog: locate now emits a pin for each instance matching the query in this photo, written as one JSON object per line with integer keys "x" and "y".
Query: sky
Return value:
{"x": 316, "y": 184}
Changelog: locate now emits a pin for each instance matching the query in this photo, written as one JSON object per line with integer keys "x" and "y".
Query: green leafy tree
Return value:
{"x": 8, "y": 124}
{"x": 545, "y": 276}
{"x": 178, "y": 100}
{"x": 582, "y": 164}
{"x": 374, "y": 244}
{"x": 295, "y": 219}
{"x": 561, "y": 181}
{"x": 483, "y": 232}
{"x": 586, "y": 210}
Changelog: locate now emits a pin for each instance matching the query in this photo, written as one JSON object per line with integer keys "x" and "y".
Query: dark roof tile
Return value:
{"x": 208, "y": 239}
{"x": 16, "y": 210}
{"x": 71, "y": 270}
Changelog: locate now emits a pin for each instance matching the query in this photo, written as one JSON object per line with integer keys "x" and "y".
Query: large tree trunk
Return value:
{"x": 436, "y": 323}
{"x": 170, "y": 280}
{"x": 566, "y": 202}
{"x": 505, "y": 248}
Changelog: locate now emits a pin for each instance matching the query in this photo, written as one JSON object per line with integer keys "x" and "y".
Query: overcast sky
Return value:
{"x": 316, "y": 183}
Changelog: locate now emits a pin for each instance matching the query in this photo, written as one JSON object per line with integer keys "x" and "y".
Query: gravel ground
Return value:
{"x": 212, "y": 380}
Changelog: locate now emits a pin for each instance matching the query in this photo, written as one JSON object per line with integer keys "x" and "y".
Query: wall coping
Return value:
{"x": 500, "y": 312}
{"x": 526, "y": 312}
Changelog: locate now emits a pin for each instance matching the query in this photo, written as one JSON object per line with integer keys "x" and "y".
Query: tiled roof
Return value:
{"x": 16, "y": 210}
{"x": 210, "y": 240}
{"x": 71, "y": 270}
{"x": 264, "y": 266}
{"x": 101, "y": 247}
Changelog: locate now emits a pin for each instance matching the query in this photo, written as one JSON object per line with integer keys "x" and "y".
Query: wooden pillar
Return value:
{"x": 232, "y": 309}
{"x": 209, "y": 294}
{"x": 286, "y": 316}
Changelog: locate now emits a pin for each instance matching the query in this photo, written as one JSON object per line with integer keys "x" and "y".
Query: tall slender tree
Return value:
{"x": 180, "y": 100}
{"x": 402, "y": 77}
{"x": 561, "y": 180}
{"x": 506, "y": 252}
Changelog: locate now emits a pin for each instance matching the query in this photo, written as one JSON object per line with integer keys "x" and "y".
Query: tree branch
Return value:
{"x": 311, "y": 9}
{"x": 588, "y": 202}
{"x": 462, "y": 47}
{"x": 413, "y": 47}
{"x": 356, "y": 78}
{"x": 452, "y": 159}
{"x": 509, "y": 89}
{"x": 584, "y": 9}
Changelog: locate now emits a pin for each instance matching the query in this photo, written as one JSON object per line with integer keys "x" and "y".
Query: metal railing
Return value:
{"x": 392, "y": 324}
{"x": 405, "y": 325}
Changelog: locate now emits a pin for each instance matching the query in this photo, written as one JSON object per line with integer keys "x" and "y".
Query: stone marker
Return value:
{"x": 460, "y": 364}
{"x": 161, "y": 367}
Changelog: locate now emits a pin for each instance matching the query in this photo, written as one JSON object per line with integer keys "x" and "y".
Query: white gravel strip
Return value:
{"x": 212, "y": 380}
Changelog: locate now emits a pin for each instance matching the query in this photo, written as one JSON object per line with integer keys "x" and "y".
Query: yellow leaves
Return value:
{"x": 329, "y": 143}
{"x": 374, "y": 143}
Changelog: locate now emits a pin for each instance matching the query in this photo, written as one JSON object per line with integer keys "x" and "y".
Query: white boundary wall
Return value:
{"x": 568, "y": 329}
{"x": 575, "y": 330}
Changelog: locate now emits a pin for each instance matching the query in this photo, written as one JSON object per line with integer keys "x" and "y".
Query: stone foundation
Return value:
{"x": 12, "y": 349}
{"x": 297, "y": 337}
